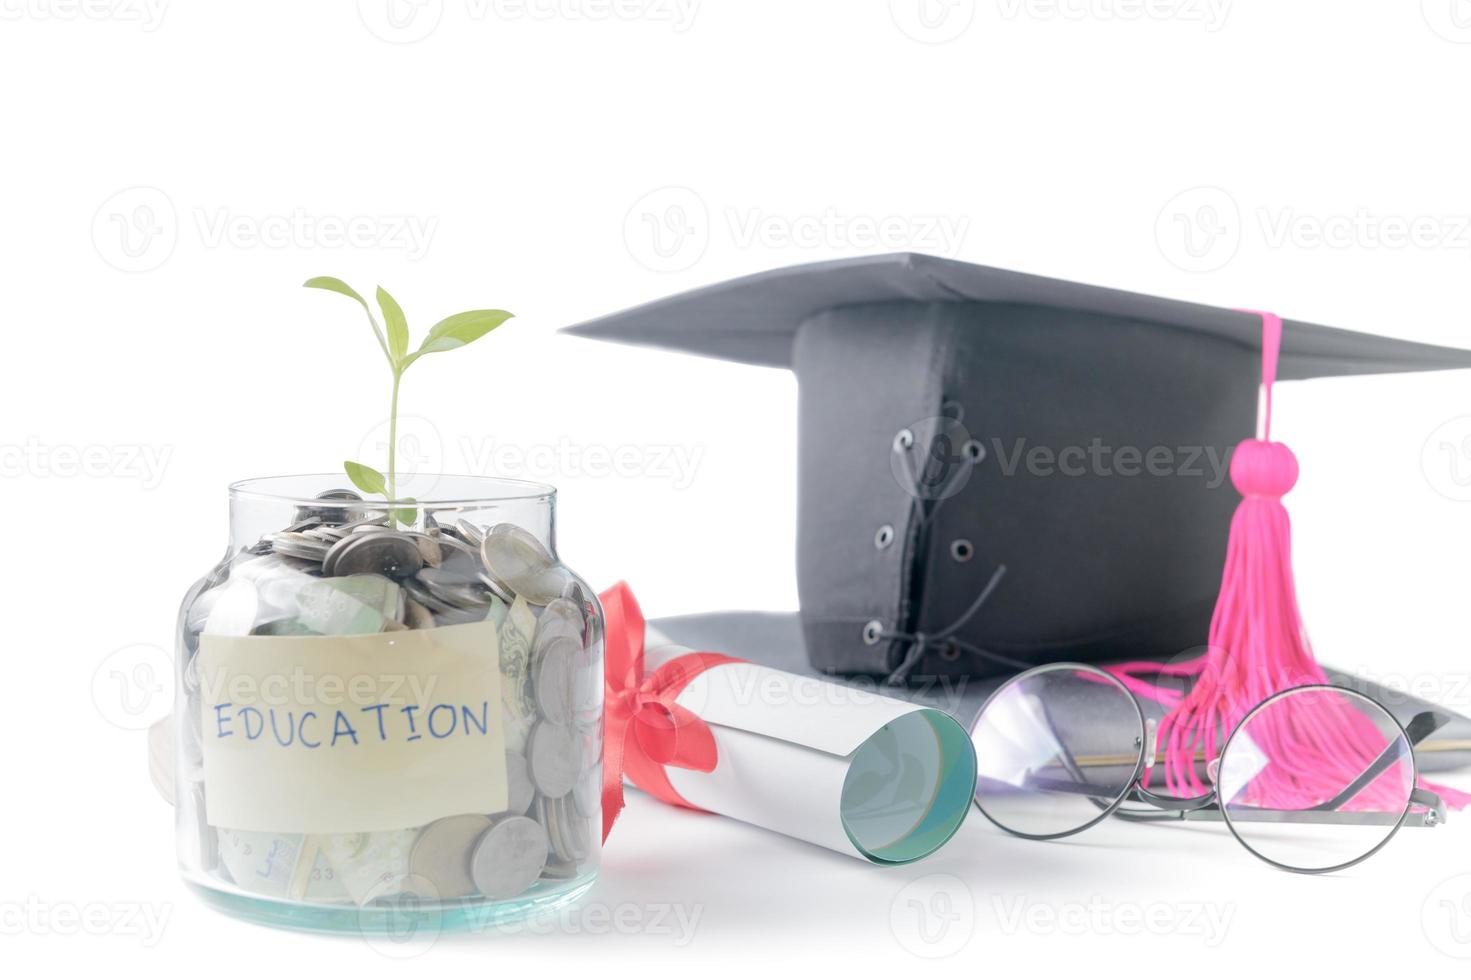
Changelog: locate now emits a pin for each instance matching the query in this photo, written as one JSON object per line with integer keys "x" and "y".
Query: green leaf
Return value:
{"x": 365, "y": 478}
{"x": 406, "y": 515}
{"x": 459, "y": 330}
{"x": 396, "y": 324}
{"x": 334, "y": 285}
{"x": 338, "y": 286}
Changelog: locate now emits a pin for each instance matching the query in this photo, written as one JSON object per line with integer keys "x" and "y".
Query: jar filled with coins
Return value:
{"x": 389, "y": 709}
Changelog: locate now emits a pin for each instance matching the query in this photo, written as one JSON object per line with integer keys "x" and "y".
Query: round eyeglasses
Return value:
{"x": 1314, "y": 779}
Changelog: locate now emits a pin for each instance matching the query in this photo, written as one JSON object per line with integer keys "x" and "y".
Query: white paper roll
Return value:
{"x": 851, "y": 770}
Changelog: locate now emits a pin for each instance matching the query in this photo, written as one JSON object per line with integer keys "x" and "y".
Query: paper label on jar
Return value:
{"x": 348, "y": 734}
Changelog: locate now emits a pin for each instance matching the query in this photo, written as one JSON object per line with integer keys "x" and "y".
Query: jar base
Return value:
{"x": 398, "y": 923}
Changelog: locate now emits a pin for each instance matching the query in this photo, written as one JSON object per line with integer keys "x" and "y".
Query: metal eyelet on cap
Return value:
{"x": 962, "y": 550}
{"x": 872, "y": 631}
{"x": 884, "y": 537}
{"x": 973, "y": 451}
{"x": 903, "y": 440}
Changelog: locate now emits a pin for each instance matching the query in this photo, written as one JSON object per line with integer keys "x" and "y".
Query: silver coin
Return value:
{"x": 559, "y": 870}
{"x": 430, "y": 550}
{"x": 587, "y": 795}
{"x": 295, "y": 544}
{"x": 326, "y": 514}
{"x": 566, "y": 831}
{"x": 587, "y": 686}
{"x": 515, "y": 560}
{"x": 575, "y": 838}
{"x": 509, "y": 857}
{"x": 450, "y": 588}
{"x": 417, "y": 615}
{"x": 499, "y": 590}
{"x": 381, "y": 552}
{"x": 559, "y": 619}
{"x": 459, "y": 555}
{"x": 552, "y": 679}
{"x": 420, "y": 593}
{"x": 469, "y": 533}
{"x": 372, "y": 520}
{"x": 546, "y": 815}
{"x": 553, "y": 759}
{"x": 443, "y": 850}
{"x": 520, "y": 791}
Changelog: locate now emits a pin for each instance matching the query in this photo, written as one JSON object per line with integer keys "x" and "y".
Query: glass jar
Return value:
{"x": 389, "y": 710}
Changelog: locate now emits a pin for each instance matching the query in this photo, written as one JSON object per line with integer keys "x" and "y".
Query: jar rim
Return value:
{"x": 495, "y": 490}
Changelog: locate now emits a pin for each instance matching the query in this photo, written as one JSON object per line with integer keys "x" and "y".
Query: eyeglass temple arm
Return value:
{"x": 1421, "y": 727}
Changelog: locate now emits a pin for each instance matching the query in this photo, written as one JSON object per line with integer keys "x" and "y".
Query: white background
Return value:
{"x": 172, "y": 172}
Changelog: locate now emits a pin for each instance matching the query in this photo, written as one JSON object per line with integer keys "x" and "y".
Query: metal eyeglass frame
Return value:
{"x": 1208, "y": 806}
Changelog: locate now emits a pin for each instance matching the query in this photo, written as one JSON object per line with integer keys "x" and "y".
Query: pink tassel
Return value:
{"x": 1258, "y": 647}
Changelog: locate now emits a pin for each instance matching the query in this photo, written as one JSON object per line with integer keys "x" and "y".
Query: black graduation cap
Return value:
{"x": 955, "y": 419}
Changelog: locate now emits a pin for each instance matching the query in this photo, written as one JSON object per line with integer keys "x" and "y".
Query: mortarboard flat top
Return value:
{"x": 754, "y": 319}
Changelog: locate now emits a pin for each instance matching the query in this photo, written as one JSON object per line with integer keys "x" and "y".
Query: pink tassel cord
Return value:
{"x": 1257, "y": 648}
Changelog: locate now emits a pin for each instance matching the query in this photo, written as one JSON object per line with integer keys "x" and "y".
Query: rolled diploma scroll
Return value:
{"x": 848, "y": 769}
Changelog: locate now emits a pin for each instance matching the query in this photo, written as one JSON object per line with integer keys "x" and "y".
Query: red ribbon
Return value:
{"x": 644, "y": 730}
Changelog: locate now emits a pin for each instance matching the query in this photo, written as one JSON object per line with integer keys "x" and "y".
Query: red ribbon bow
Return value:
{"x": 644, "y": 729}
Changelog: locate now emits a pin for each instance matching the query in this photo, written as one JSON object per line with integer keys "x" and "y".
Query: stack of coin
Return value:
{"x": 345, "y": 567}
